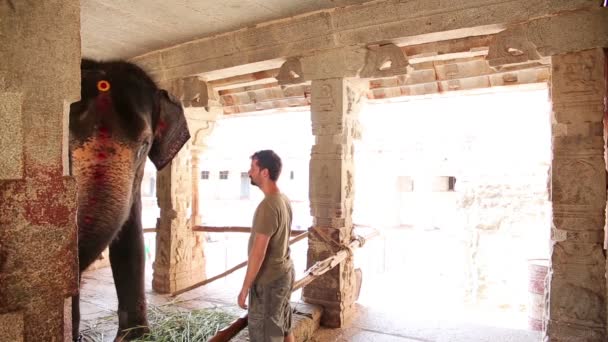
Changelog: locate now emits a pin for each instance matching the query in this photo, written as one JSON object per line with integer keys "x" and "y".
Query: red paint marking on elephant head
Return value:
{"x": 103, "y": 102}
{"x": 99, "y": 175}
{"x": 104, "y": 133}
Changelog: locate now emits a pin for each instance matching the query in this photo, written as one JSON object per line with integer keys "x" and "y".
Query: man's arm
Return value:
{"x": 254, "y": 263}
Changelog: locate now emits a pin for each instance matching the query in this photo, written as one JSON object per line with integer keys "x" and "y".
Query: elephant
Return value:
{"x": 122, "y": 118}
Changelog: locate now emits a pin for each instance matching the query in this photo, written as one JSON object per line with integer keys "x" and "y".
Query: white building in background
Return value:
{"x": 226, "y": 195}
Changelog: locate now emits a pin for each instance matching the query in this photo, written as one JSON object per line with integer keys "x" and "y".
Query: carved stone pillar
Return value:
{"x": 38, "y": 235}
{"x": 334, "y": 109}
{"x": 179, "y": 259}
{"x": 577, "y": 296}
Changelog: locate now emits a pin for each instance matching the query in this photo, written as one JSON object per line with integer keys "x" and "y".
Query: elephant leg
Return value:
{"x": 128, "y": 263}
{"x": 76, "y": 318}
{"x": 89, "y": 250}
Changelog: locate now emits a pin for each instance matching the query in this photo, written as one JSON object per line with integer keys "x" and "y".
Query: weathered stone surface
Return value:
{"x": 335, "y": 107}
{"x": 179, "y": 259}
{"x": 385, "y": 60}
{"x": 291, "y": 72}
{"x": 40, "y": 73}
{"x": 578, "y": 288}
{"x": 378, "y": 21}
{"x": 578, "y": 86}
{"x": 191, "y": 91}
{"x": 11, "y": 327}
{"x": 577, "y": 295}
{"x": 11, "y": 136}
{"x": 334, "y": 63}
{"x": 585, "y": 129}
{"x": 569, "y": 33}
{"x": 472, "y": 68}
{"x": 510, "y": 47}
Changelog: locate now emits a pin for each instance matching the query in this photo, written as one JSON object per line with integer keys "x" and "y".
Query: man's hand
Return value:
{"x": 242, "y": 300}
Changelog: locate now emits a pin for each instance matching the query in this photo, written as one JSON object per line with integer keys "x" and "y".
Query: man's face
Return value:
{"x": 255, "y": 174}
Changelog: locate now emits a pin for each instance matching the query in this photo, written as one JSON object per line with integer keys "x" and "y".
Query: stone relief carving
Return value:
{"x": 580, "y": 305}
{"x": 384, "y": 60}
{"x": 324, "y": 186}
{"x": 511, "y": 46}
{"x": 348, "y": 189}
{"x": 291, "y": 72}
{"x": 570, "y": 187}
{"x": 578, "y": 75}
{"x": 325, "y": 100}
{"x": 354, "y": 96}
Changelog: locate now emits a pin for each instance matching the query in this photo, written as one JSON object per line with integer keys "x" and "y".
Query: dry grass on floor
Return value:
{"x": 168, "y": 324}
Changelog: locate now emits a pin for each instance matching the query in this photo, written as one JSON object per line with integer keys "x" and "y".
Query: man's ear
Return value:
{"x": 265, "y": 173}
{"x": 170, "y": 132}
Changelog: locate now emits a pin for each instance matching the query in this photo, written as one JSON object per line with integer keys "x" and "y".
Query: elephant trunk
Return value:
{"x": 104, "y": 174}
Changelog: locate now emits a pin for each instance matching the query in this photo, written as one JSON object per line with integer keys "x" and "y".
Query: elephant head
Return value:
{"x": 122, "y": 119}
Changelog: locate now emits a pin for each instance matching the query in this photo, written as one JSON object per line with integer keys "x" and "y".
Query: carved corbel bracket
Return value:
{"x": 191, "y": 91}
{"x": 291, "y": 72}
{"x": 511, "y": 46}
{"x": 383, "y": 61}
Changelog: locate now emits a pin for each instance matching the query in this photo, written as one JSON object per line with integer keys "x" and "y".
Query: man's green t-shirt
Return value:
{"x": 273, "y": 218}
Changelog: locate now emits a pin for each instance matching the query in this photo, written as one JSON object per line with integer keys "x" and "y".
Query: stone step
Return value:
{"x": 306, "y": 320}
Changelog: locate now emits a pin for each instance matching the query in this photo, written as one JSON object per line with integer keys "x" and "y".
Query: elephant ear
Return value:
{"x": 170, "y": 132}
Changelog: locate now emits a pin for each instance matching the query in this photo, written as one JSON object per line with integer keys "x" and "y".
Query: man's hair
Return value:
{"x": 267, "y": 159}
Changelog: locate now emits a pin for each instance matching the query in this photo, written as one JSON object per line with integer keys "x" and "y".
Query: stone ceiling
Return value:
{"x": 124, "y": 29}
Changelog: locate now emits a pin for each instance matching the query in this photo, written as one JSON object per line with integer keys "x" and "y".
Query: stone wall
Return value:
{"x": 39, "y": 78}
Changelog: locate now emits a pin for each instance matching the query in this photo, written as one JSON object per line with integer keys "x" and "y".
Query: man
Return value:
{"x": 270, "y": 273}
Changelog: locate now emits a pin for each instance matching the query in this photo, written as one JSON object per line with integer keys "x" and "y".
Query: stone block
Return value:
{"x": 334, "y": 63}
{"x": 578, "y": 86}
{"x": 11, "y": 136}
{"x": 11, "y": 327}
{"x": 584, "y": 129}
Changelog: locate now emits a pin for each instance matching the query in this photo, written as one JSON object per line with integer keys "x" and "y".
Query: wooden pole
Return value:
{"x": 223, "y": 274}
{"x": 323, "y": 266}
{"x": 318, "y": 269}
{"x": 210, "y": 229}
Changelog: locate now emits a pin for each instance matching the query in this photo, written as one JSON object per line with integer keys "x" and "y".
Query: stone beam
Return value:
{"x": 254, "y": 78}
{"x": 550, "y": 36}
{"x": 377, "y": 21}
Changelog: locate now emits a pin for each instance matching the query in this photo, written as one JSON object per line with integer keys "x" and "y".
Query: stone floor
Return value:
{"x": 371, "y": 322}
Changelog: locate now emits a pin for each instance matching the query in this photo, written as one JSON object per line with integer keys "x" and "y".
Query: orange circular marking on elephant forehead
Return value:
{"x": 103, "y": 85}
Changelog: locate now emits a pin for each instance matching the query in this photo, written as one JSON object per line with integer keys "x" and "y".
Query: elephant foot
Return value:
{"x": 131, "y": 333}
{"x": 77, "y": 337}
{"x": 131, "y": 325}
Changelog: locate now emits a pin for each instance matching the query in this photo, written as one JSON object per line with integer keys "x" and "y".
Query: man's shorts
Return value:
{"x": 269, "y": 309}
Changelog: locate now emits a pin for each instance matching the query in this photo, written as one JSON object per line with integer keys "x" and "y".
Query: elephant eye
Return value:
{"x": 142, "y": 149}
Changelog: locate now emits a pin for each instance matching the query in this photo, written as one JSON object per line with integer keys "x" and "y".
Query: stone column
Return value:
{"x": 39, "y": 78}
{"x": 334, "y": 109}
{"x": 577, "y": 295}
{"x": 180, "y": 259}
